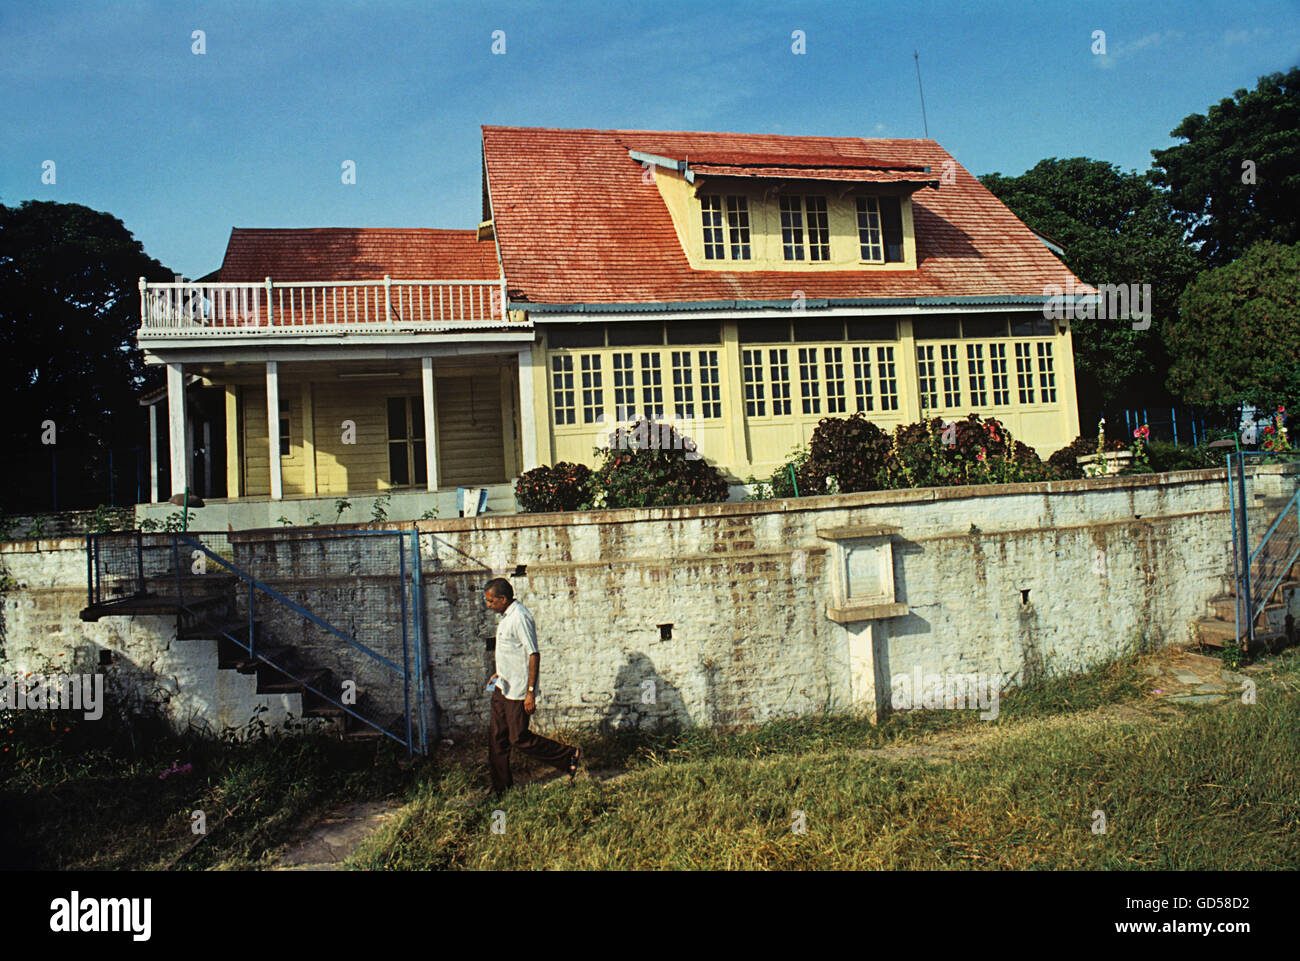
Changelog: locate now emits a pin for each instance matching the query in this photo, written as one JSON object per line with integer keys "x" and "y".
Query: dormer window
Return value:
{"x": 737, "y": 239}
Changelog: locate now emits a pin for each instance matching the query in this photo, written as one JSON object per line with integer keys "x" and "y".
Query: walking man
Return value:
{"x": 515, "y": 687}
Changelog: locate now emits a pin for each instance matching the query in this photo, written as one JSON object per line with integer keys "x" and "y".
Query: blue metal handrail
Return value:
{"x": 95, "y": 590}
{"x": 253, "y": 583}
{"x": 1244, "y": 559}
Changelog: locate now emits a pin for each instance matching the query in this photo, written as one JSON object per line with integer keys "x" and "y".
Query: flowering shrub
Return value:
{"x": 564, "y": 487}
{"x": 1275, "y": 436}
{"x": 971, "y": 451}
{"x": 1141, "y": 438}
{"x": 845, "y": 454}
{"x": 652, "y": 465}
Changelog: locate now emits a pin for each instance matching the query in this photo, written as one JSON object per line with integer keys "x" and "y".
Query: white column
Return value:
{"x": 430, "y": 424}
{"x": 866, "y": 641}
{"x": 176, "y": 424}
{"x": 152, "y": 411}
{"x": 527, "y": 413}
{"x": 273, "y": 428}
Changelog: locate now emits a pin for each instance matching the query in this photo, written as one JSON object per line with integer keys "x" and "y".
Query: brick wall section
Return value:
{"x": 1108, "y": 564}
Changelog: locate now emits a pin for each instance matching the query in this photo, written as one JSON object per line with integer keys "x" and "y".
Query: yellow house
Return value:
{"x": 740, "y": 286}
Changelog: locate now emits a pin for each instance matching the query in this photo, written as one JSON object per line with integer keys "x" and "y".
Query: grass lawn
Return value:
{"x": 1180, "y": 788}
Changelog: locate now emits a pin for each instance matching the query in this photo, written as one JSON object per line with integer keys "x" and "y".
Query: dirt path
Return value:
{"x": 333, "y": 838}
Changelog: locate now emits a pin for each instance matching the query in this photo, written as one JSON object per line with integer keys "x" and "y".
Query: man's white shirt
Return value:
{"x": 516, "y": 639}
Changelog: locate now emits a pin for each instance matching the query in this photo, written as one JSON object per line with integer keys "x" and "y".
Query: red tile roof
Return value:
{"x": 576, "y": 222}
{"x": 356, "y": 253}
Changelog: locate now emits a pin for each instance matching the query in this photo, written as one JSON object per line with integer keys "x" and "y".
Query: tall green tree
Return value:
{"x": 1236, "y": 338}
{"x": 69, "y": 310}
{"x": 1115, "y": 228}
{"x": 1237, "y": 178}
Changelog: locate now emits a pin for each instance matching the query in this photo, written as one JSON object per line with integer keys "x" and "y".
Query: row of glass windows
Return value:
{"x": 810, "y": 381}
{"x": 640, "y": 386}
{"x": 940, "y": 370}
{"x": 805, "y": 329}
{"x": 805, "y": 228}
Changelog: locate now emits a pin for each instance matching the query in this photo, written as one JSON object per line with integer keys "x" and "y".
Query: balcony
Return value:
{"x": 239, "y": 310}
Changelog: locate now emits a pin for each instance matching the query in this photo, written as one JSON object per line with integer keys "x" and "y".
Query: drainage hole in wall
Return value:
{"x": 665, "y": 632}
{"x": 521, "y": 570}
{"x": 1024, "y": 596}
{"x": 105, "y": 658}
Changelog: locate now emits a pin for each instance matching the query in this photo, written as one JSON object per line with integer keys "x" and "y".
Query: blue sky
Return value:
{"x": 253, "y": 132}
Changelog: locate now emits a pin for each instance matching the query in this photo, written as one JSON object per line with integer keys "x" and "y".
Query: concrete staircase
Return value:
{"x": 280, "y": 668}
{"x": 1275, "y": 625}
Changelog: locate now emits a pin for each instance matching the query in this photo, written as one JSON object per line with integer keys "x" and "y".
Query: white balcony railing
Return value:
{"x": 322, "y": 306}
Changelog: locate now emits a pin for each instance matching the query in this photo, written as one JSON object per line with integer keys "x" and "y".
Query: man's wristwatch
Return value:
{"x": 531, "y": 689}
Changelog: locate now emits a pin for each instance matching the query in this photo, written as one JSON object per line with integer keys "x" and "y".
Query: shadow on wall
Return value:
{"x": 643, "y": 698}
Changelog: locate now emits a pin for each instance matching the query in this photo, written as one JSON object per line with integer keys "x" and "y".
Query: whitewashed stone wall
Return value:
{"x": 717, "y": 615}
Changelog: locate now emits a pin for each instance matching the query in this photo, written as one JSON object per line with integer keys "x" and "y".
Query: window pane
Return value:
{"x": 593, "y": 393}
{"x": 752, "y": 362}
{"x": 711, "y": 213}
{"x": 951, "y": 370}
{"x": 575, "y": 335}
{"x": 710, "y": 389}
{"x": 397, "y": 418}
{"x": 936, "y": 328}
{"x": 888, "y": 381}
{"x": 984, "y": 326}
{"x": 975, "y": 374}
{"x": 833, "y": 361}
{"x": 927, "y": 380}
{"x": 694, "y": 332}
{"x": 1024, "y": 373}
{"x": 870, "y": 238}
{"x": 792, "y": 228}
{"x": 871, "y": 328}
{"x": 652, "y": 390}
{"x": 624, "y": 387}
{"x": 683, "y": 388}
{"x": 398, "y": 473}
{"x": 738, "y": 227}
{"x": 808, "y": 385}
{"x": 562, "y": 389}
{"x": 1046, "y": 374}
{"x": 819, "y": 233}
{"x": 862, "y": 378}
{"x": 638, "y": 334}
{"x": 998, "y": 374}
{"x": 779, "y": 366}
{"x": 1031, "y": 325}
{"x": 419, "y": 463}
{"x": 417, "y": 416}
{"x": 764, "y": 331}
{"x": 819, "y": 328}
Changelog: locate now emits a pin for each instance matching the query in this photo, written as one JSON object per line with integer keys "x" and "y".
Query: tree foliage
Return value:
{"x": 1236, "y": 338}
{"x": 1252, "y": 135}
{"x": 1116, "y": 228}
{"x": 69, "y": 310}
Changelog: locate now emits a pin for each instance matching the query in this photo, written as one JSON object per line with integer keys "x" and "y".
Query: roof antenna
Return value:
{"x": 917, "y": 58}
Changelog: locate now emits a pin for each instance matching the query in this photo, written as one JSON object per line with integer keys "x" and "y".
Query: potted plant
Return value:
{"x": 1104, "y": 463}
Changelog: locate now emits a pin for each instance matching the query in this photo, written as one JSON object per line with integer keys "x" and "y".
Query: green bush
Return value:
{"x": 564, "y": 487}
{"x": 652, "y": 465}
